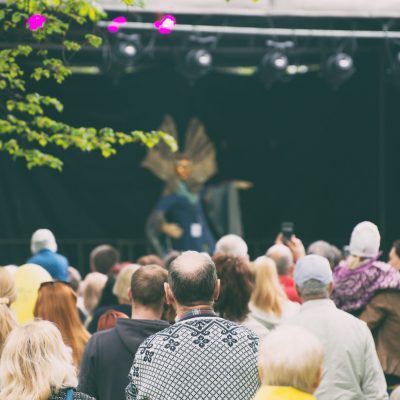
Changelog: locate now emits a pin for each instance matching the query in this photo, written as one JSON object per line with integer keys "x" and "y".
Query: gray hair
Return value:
{"x": 314, "y": 289}
{"x": 325, "y": 249}
{"x": 282, "y": 256}
{"x": 232, "y": 245}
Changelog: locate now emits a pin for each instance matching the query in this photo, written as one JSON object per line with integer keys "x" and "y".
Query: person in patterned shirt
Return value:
{"x": 202, "y": 356}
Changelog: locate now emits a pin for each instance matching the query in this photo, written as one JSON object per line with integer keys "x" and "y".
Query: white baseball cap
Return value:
{"x": 312, "y": 267}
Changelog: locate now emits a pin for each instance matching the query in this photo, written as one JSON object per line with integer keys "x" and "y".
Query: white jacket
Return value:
{"x": 351, "y": 366}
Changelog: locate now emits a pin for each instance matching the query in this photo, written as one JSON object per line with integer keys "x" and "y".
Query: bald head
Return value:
{"x": 192, "y": 278}
{"x": 282, "y": 256}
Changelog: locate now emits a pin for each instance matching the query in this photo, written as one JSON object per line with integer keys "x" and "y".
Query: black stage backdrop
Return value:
{"x": 314, "y": 155}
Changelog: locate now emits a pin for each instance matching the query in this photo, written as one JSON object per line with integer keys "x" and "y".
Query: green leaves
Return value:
{"x": 93, "y": 40}
{"x": 71, "y": 46}
{"x": 28, "y": 129}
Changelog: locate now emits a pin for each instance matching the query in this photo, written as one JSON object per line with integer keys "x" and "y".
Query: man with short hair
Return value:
{"x": 202, "y": 356}
{"x": 283, "y": 258}
{"x": 232, "y": 245}
{"x": 108, "y": 355}
{"x": 351, "y": 365}
{"x": 103, "y": 258}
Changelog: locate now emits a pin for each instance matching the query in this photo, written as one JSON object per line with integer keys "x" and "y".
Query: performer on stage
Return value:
{"x": 189, "y": 215}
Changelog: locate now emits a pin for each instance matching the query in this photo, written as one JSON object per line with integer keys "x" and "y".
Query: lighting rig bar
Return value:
{"x": 233, "y": 30}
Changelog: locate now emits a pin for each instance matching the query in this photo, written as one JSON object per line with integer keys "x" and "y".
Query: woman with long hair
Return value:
{"x": 37, "y": 365}
{"x": 269, "y": 303}
{"x": 236, "y": 287}
{"x": 56, "y": 302}
{"x": 8, "y": 295}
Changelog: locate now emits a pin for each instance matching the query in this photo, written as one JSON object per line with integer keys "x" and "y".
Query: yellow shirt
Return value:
{"x": 281, "y": 393}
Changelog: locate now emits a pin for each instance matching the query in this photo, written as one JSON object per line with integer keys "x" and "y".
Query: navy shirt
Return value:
{"x": 55, "y": 264}
{"x": 183, "y": 212}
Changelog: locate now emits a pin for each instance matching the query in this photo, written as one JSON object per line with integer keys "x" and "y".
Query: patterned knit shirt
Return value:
{"x": 207, "y": 358}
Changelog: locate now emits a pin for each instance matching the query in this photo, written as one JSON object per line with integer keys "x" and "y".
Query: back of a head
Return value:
{"x": 365, "y": 240}
{"x": 75, "y": 278}
{"x": 268, "y": 294}
{"x": 192, "y": 277}
{"x": 35, "y": 362}
{"x": 325, "y": 249}
{"x": 8, "y": 294}
{"x": 232, "y": 245}
{"x": 43, "y": 239}
{"x": 282, "y": 256}
{"x": 313, "y": 275}
{"x": 103, "y": 258}
{"x": 56, "y": 302}
{"x": 236, "y": 287}
{"x": 292, "y": 357}
{"x": 147, "y": 286}
{"x": 93, "y": 285}
{"x": 150, "y": 259}
{"x": 123, "y": 282}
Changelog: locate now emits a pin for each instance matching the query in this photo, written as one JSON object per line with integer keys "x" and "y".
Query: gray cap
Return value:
{"x": 312, "y": 267}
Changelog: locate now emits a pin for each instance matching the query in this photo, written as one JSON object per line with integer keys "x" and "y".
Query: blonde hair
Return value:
{"x": 8, "y": 294}
{"x": 93, "y": 286}
{"x": 56, "y": 302}
{"x": 268, "y": 294}
{"x": 292, "y": 357}
{"x": 354, "y": 262}
{"x": 35, "y": 363}
{"x": 123, "y": 282}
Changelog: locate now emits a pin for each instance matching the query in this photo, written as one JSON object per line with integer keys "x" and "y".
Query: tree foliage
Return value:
{"x": 27, "y": 130}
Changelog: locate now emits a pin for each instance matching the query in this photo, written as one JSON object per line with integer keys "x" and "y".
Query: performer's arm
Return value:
{"x": 157, "y": 225}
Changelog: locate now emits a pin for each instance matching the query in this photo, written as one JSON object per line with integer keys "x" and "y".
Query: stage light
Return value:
{"x": 127, "y": 49}
{"x": 338, "y": 68}
{"x": 273, "y": 67}
{"x": 198, "y": 62}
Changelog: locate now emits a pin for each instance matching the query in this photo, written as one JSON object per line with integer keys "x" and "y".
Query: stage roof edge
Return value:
{"x": 295, "y": 8}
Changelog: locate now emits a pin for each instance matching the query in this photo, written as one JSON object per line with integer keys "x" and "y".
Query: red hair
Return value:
{"x": 56, "y": 302}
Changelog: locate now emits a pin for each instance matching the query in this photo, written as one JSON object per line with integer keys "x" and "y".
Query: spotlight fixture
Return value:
{"x": 198, "y": 62}
{"x": 127, "y": 49}
{"x": 338, "y": 68}
{"x": 273, "y": 67}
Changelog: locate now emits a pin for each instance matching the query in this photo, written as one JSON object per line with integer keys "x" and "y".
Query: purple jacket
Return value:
{"x": 354, "y": 288}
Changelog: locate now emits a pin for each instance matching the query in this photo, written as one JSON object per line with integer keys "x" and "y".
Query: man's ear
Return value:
{"x": 217, "y": 290}
{"x": 169, "y": 297}
{"x": 130, "y": 295}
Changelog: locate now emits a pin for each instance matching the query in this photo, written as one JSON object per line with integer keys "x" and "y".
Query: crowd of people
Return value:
{"x": 293, "y": 323}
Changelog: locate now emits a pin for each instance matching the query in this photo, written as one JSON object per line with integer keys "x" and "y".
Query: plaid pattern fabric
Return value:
{"x": 197, "y": 312}
{"x": 198, "y": 358}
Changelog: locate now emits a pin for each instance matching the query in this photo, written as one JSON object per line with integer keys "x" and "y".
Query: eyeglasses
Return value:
{"x": 51, "y": 283}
